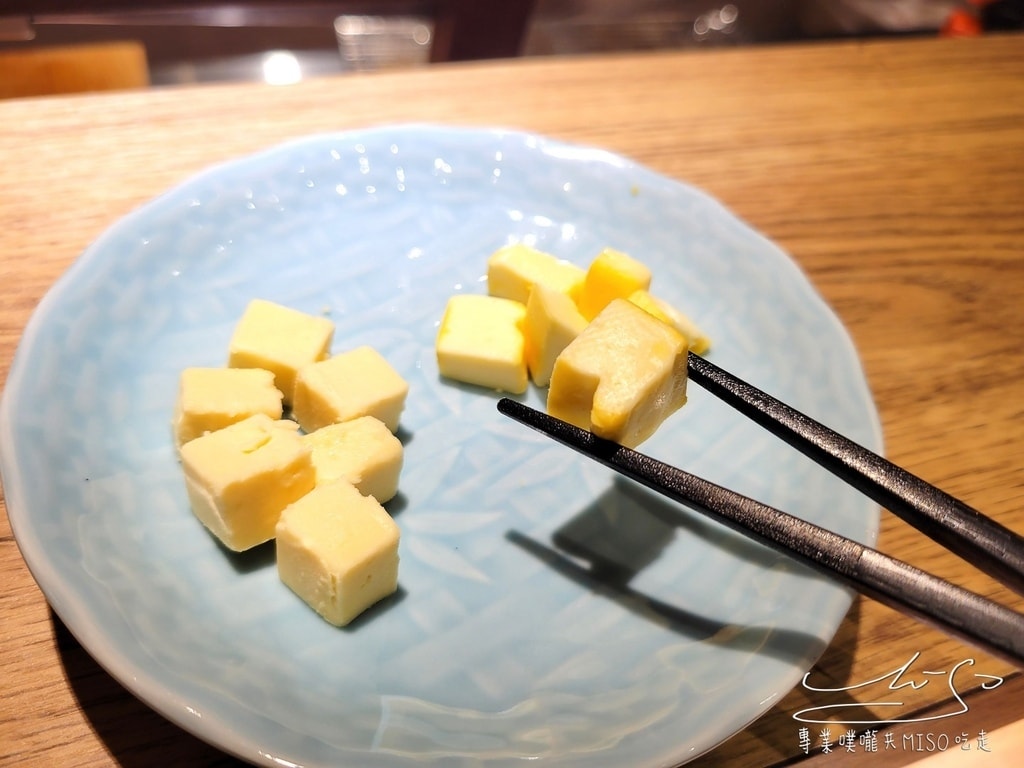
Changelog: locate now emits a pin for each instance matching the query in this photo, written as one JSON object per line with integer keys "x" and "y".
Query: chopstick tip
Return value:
{"x": 549, "y": 425}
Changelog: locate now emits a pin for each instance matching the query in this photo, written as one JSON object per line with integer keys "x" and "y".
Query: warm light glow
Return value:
{"x": 281, "y": 68}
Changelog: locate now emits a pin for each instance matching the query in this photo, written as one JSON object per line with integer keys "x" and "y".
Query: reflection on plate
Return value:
{"x": 547, "y": 610}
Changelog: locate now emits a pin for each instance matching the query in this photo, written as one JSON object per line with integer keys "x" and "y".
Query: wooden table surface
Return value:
{"x": 892, "y": 172}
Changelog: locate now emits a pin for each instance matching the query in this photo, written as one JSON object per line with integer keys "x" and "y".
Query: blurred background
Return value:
{"x": 53, "y": 46}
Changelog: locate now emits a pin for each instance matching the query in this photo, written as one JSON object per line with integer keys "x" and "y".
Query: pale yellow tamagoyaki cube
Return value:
{"x": 698, "y": 341}
{"x": 279, "y": 339}
{"x": 622, "y": 376}
{"x": 611, "y": 275}
{"x": 514, "y": 269}
{"x": 213, "y": 398}
{"x": 362, "y": 451}
{"x": 359, "y": 382}
{"x": 552, "y": 321}
{"x": 338, "y": 551}
{"x": 241, "y": 477}
{"x": 480, "y": 341}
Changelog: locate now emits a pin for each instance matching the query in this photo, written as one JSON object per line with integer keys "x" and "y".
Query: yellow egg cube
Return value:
{"x": 622, "y": 376}
{"x": 279, "y": 339}
{"x": 213, "y": 398}
{"x": 611, "y": 275}
{"x": 696, "y": 338}
{"x": 338, "y": 551}
{"x": 239, "y": 478}
{"x": 514, "y": 269}
{"x": 348, "y": 385}
{"x": 362, "y": 451}
{"x": 480, "y": 341}
{"x": 552, "y": 321}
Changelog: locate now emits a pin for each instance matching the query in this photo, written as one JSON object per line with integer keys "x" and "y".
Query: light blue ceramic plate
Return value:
{"x": 506, "y": 641}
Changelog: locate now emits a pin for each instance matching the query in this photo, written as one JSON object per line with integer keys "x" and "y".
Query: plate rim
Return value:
{"x": 88, "y": 632}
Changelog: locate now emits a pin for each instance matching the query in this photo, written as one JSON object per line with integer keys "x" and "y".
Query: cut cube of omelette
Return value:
{"x": 362, "y": 451}
{"x": 279, "y": 339}
{"x": 213, "y": 398}
{"x": 552, "y": 321}
{"x": 622, "y": 376}
{"x": 611, "y": 275}
{"x": 481, "y": 342}
{"x": 240, "y": 478}
{"x": 661, "y": 309}
{"x": 513, "y": 270}
{"x": 338, "y": 551}
{"x": 359, "y": 382}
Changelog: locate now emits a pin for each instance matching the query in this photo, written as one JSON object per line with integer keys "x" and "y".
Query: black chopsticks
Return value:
{"x": 986, "y": 544}
{"x": 963, "y": 530}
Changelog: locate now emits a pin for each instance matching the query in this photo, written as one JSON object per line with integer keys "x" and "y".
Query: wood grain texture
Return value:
{"x": 892, "y": 172}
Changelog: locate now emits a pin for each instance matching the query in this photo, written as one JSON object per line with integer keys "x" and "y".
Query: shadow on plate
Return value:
{"x": 255, "y": 559}
{"x": 625, "y": 530}
{"x": 376, "y": 609}
{"x": 396, "y": 504}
